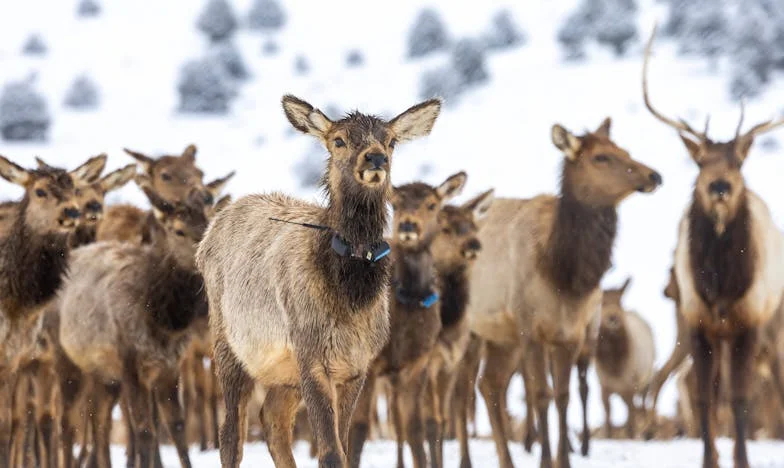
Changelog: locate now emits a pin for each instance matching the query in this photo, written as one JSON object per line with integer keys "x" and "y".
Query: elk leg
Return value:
{"x": 44, "y": 383}
{"x": 277, "y": 418}
{"x": 398, "y": 424}
{"x": 71, "y": 381}
{"x": 410, "y": 402}
{"x": 446, "y": 389}
{"x": 348, "y": 394}
{"x": 582, "y": 372}
{"x": 360, "y": 425}
{"x": 679, "y": 353}
{"x": 130, "y": 443}
{"x": 105, "y": 397}
{"x": 564, "y": 357}
{"x": 464, "y": 387}
{"x": 433, "y": 421}
{"x": 536, "y": 374}
{"x": 319, "y": 394}
{"x": 29, "y": 425}
{"x": 705, "y": 367}
{"x": 608, "y": 426}
{"x": 628, "y": 398}
{"x": 213, "y": 402}
{"x": 237, "y": 387}
{"x": 168, "y": 400}
{"x": 743, "y": 351}
{"x": 189, "y": 407}
{"x": 18, "y": 418}
{"x": 499, "y": 368}
{"x": 200, "y": 388}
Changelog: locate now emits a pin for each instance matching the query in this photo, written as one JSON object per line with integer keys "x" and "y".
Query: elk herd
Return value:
{"x": 213, "y": 321}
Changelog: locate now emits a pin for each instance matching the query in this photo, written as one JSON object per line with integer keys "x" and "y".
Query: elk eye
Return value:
{"x": 77, "y": 192}
{"x": 432, "y": 207}
{"x": 392, "y": 143}
{"x": 40, "y": 192}
{"x": 601, "y": 158}
{"x": 445, "y": 231}
{"x": 339, "y": 142}
{"x": 94, "y": 206}
{"x": 165, "y": 177}
{"x": 180, "y": 233}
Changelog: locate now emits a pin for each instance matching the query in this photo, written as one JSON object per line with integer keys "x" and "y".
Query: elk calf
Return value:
{"x": 624, "y": 357}
{"x": 304, "y": 311}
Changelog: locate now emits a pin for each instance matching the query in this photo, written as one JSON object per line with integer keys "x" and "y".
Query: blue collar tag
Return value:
{"x": 430, "y": 300}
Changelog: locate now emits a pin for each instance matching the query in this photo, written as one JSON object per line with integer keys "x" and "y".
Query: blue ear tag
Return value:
{"x": 430, "y": 300}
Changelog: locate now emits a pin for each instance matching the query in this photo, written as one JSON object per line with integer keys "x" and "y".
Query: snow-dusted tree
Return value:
{"x": 217, "y": 20}
{"x": 572, "y": 36}
{"x": 444, "y": 82}
{"x": 354, "y": 58}
{"x": 754, "y": 55}
{"x": 270, "y": 47}
{"x": 266, "y": 15}
{"x": 227, "y": 53}
{"x": 83, "y": 94}
{"x": 427, "y": 35}
{"x": 24, "y": 115}
{"x": 301, "y": 65}
{"x": 679, "y": 10}
{"x": 468, "y": 59}
{"x": 88, "y": 8}
{"x": 504, "y": 32}
{"x": 704, "y": 29}
{"x": 34, "y": 45}
{"x": 310, "y": 168}
{"x": 616, "y": 27}
{"x": 205, "y": 87}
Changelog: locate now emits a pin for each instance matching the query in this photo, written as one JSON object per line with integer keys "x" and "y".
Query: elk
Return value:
{"x": 624, "y": 356}
{"x": 536, "y": 287}
{"x": 303, "y": 311}
{"x": 414, "y": 315}
{"x": 33, "y": 256}
{"x": 126, "y": 312}
{"x": 454, "y": 249}
{"x": 728, "y": 267}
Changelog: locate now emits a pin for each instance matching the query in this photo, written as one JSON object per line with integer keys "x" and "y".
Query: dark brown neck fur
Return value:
{"x": 454, "y": 295}
{"x": 613, "y": 349}
{"x": 31, "y": 266}
{"x": 83, "y": 235}
{"x": 722, "y": 266}
{"x": 413, "y": 274}
{"x": 360, "y": 218}
{"x": 175, "y": 295}
{"x": 579, "y": 250}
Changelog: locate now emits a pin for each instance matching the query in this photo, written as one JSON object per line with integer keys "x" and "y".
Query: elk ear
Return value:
{"x": 146, "y": 162}
{"x": 91, "y": 170}
{"x": 604, "y": 128}
{"x": 480, "y": 204}
{"x": 566, "y": 142}
{"x": 118, "y": 178}
{"x": 43, "y": 165}
{"x": 742, "y": 146}
{"x": 452, "y": 186}
{"x": 216, "y": 186}
{"x": 625, "y": 285}
{"x": 416, "y": 121}
{"x": 13, "y": 173}
{"x": 159, "y": 205}
{"x": 671, "y": 290}
{"x": 195, "y": 199}
{"x": 694, "y": 148}
{"x": 304, "y": 117}
{"x": 222, "y": 203}
{"x": 189, "y": 154}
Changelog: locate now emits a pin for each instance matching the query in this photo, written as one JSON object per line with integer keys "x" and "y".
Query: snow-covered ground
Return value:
{"x": 499, "y": 134}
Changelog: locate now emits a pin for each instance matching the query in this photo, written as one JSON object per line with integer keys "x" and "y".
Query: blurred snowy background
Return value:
{"x": 81, "y": 77}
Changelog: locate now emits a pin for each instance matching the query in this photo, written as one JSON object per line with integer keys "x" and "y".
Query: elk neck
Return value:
{"x": 579, "y": 250}
{"x": 613, "y": 349}
{"x": 722, "y": 265}
{"x": 414, "y": 273}
{"x": 454, "y": 294}
{"x": 174, "y": 294}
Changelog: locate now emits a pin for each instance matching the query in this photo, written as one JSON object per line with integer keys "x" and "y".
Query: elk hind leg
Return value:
{"x": 706, "y": 364}
{"x": 360, "y": 424}
{"x": 168, "y": 401}
{"x": 237, "y": 387}
{"x": 277, "y": 418}
{"x": 500, "y": 364}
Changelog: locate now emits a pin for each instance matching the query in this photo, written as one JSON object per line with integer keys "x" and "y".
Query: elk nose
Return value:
{"x": 407, "y": 226}
{"x": 208, "y": 198}
{"x": 473, "y": 244}
{"x": 72, "y": 213}
{"x": 656, "y": 178}
{"x": 719, "y": 187}
{"x": 376, "y": 159}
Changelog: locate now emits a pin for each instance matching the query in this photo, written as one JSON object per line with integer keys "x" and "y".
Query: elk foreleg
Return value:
{"x": 706, "y": 369}
{"x": 360, "y": 425}
{"x": 742, "y": 353}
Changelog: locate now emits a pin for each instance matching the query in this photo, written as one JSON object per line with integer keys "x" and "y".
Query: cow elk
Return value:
{"x": 624, "y": 357}
{"x": 536, "y": 285}
{"x": 728, "y": 267}
{"x": 300, "y": 310}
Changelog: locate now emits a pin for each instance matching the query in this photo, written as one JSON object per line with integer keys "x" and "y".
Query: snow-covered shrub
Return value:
{"x": 444, "y": 82}
{"x": 24, "y": 115}
{"x": 205, "y": 87}
{"x": 704, "y": 28}
{"x": 354, "y": 58}
{"x": 217, "y": 20}
{"x": 755, "y": 54}
{"x": 270, "y": 47}
{"x": 34, "y": 45}
{"x": 301, "y": 65}
{"x": 88, "y": 8}
{"x": 83, "y": 94}
{"x": 427, "y": 35}
{"x": 572, "y": 36}
{"x": 227, "y": 53}
{"x": 504, "y": 33}
{"x": 266, "y": 15}
{"x": 616, "y": 27}
{"x": 468, "y": 59}
{"x": 310, "y": 168}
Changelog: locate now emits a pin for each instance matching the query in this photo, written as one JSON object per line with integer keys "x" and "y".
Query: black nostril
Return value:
{"x": 720, "y": 187}
{"x": 473, "y": 244}
{"x": 407, "y": 226}
{"x": 71, "y": 213}
{"x": 208, "y": 198}
{"x": 656, "y": 178}
{"x": 377, "y": 159}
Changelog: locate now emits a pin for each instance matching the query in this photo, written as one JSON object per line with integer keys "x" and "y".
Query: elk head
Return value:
{"x": 458, "y": 242}
{"x": 360, "y": 146}
{"x": 613, "y": 313}
{"x": 172, "y": 177}
{"x": 416, "y": 207}
{"x": 596, "y": 171}
{"x": 719, "y": 189}
{"x": 50, "y": 204}
{"x": 179, "y": 226}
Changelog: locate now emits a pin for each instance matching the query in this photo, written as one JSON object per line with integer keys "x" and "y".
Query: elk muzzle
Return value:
{"x": 653, "y": 182}
{"x": 69, "y": 216}
{"x": 408, "y": 232}
{"x": 373, "y": 170}
{"x": 471, "y": 249}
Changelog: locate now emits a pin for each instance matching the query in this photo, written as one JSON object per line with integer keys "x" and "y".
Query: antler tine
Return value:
{"x": 742, "y": 115}
{"x": 679, "y": 124}
{"x": 764, "y": 127}
{"x": 707, "y": 125}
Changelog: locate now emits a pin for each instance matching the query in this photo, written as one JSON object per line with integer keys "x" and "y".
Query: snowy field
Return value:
{"x": 499, "y": 133}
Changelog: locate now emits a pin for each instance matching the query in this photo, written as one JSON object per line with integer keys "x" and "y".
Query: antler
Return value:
{"x": 679, "y": 124}
{"x": 764, "y": 127}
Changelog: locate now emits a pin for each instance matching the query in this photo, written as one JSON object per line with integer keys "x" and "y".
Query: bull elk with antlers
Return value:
{"x": 728, "y": 267}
